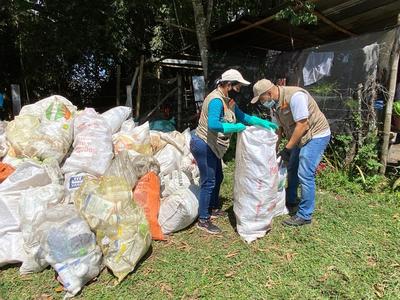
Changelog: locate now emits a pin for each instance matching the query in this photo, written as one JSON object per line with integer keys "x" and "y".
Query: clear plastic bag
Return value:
{"x": 122, "y": 230}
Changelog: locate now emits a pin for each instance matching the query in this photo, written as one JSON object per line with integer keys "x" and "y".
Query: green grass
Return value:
{"x": 351, "y": 251}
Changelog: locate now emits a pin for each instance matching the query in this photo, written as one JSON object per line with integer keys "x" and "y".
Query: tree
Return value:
{"x": 202, "y": 18}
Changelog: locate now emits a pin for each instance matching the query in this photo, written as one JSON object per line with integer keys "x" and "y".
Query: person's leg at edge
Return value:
{"x": 207, "y": 167}
{"x": 215, "y": 203}
{"x": 293, "y": 181}
{"x": 309, "y": 159}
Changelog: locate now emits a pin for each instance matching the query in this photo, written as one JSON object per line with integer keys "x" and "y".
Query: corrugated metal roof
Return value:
{"x": 355, "y": 16}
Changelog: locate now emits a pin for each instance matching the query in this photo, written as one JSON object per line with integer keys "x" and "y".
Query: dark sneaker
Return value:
{"x": 296, "y": 221}
{"x": 209, "y": 227}
{"x": 217, "y": 213}
{"x": 292, "y": 209}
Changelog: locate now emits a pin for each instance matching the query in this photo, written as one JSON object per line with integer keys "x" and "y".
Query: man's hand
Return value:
{"x": 284, "y": 154}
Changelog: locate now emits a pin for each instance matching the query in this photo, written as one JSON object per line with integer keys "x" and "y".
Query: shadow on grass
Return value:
{"x": 231, "y": 217}
{"x": 10, "y": 266}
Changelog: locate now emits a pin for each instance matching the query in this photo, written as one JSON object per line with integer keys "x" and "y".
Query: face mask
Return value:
{"x": 269, "y": 104}
{"x": 232, "y": 94}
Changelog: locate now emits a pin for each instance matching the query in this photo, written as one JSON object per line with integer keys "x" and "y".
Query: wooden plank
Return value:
{"x": 274, "y": 32}
{"x": 332, "y": 24}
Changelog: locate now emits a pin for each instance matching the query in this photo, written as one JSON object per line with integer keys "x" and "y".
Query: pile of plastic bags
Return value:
{"x": 81, "y": 191}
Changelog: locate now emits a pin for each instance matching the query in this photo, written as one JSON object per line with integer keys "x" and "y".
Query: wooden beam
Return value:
{"x": 275, "y": 32}
{"x": 258, "y": 23}
{"x": 332, "y": 24}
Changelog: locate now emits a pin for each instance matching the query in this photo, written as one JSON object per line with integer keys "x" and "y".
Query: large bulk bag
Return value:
{"x": 256, "y": 182}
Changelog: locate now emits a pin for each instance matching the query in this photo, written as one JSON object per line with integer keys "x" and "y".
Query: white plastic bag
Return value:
{"x": 116, "y": 116}
{"x": 33, "y": 204}
{"x": 11, "y": 190}
{"x": 173, "y": 182}
{"x": 256, "y": 182}
{"x": 137, "y": 140}
{"x": 179, "y": 210}
{"x": 51, "y": 108}
{"x": 69, "y": 247}
{"x": 128, "y": 126}
{"x": 21, "y": 131}
{"x": 169, "y": 159}
{"x": 51, "y": 137}
{"x": 3, "y": 140}
{"x": 92, "y": 145}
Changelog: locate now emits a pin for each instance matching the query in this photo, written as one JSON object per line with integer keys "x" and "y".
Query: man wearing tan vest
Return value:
{"x": 308, "y": 132}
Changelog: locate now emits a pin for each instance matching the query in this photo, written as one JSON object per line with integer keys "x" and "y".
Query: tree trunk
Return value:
{"x": 201, "y": 32}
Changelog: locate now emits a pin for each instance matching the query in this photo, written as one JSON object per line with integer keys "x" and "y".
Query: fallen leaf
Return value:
{"x": 371, "y": 261}
{"x": 167, "y": 289}
{"x": 395, "y": 265}
{"x": 59, "y": 289}
{"x": 379, "y": 290}
{"x": 163, "y": 260}
{"x": 323, "y": 278}
{"x": 147, "y": 271}
{"x": 26, "y": 277}
{"x": 230, "y": 274}
{"x": 270, "y": 283}
{"x": 44, "y": 297}
{"x": 331, "y": 268}
{"x": 289, "y": 256}
{"x": 185, "y": 246}
{"x": 232, "y": 254}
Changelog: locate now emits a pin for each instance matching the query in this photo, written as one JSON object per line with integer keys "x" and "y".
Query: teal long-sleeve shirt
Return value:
{"x": 216, "y": 114}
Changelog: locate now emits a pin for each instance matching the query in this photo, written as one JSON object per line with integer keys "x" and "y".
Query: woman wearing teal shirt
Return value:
{"x": 220, "y": 117}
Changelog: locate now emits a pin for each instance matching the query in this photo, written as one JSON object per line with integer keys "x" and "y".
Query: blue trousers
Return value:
{"x": 302, "y": 166}
{"x": 211, "y": 176}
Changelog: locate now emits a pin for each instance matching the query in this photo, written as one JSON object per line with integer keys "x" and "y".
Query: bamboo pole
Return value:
{"x": 139, "y": 92}
{"x": 389, "y": 104}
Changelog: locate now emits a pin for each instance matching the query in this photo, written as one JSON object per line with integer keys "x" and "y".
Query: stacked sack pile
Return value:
{"x": 81, "y": 191}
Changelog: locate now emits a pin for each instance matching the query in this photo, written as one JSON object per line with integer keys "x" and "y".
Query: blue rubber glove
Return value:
{"x": 253, "y": 120}
{"x": 233, "y": 127}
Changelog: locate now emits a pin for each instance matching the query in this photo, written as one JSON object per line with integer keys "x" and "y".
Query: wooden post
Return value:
{"x": 118, "y": 84}
{"x": 128, "y": 96}
{"x": 16, "y": 99}
{"x": 389, "y": 104}
{"x": 179, "y": 123}
{"x": 139, "y": 93}
{"x": 359, "y": 113}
